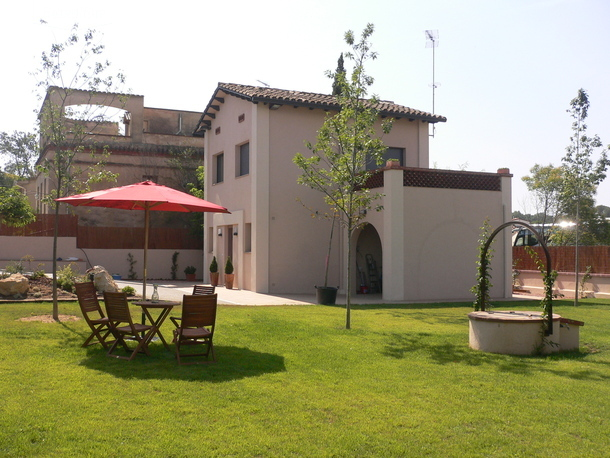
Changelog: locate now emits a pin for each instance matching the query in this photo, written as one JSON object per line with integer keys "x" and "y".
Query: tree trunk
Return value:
{"x": 348, "y": 293}
{"x": 54, "y": 264}
{"x": 576, "y": 264}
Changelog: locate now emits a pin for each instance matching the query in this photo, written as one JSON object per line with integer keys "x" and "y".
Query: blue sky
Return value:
{"x": 506, "y": 69}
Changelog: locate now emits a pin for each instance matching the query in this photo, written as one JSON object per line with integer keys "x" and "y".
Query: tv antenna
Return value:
{"x": 263, "y": 83}
{"x": 432, "y": 42}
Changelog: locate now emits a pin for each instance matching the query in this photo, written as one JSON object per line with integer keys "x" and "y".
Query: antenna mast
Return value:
{"x": 432, "y": 42}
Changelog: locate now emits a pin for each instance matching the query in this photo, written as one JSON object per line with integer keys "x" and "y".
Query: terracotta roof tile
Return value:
{"x": 256, "y": 94}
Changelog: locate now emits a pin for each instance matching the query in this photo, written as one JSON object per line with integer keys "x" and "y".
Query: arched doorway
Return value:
{"x": 368, "y": 260}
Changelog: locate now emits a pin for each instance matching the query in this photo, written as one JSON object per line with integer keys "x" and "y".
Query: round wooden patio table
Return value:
{"x": 165, "y": 307}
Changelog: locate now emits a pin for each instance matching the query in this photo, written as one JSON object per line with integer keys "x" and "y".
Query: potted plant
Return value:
{"x": 189, "y": 271}
{"x": 327, "y": 295}
{"x": 214, "y": 272}
{"x": 229, "y": 275}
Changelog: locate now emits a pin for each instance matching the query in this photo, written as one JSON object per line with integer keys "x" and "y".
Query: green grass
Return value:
{"x": 290, "y": 381}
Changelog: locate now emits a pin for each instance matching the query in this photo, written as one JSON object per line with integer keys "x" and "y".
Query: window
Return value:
{"x": 210, "y": 239}
{"x": 219, "y": 168}
{"x": 248, "y": 238}
{"x": 390, "y": 153}
{"x": 243, "y": 159}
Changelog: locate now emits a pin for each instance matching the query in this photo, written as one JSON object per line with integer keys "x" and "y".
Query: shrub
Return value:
{"x": 15, "y": 267}
{"x": 214, "y": 265}
{"x": 132, "y": 262}
{"x": 39, "y": 273}
{"x": 174, "y": 269}
{"x": 229, "y": 266}
{"x": 189, "y": 270}
{"x": 29, "y": 259}
{"x": 66, "y": 278}
{"x": 130, "y": 291}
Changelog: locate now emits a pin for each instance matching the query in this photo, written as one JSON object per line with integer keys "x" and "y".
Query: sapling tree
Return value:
{"x": 336, "y": 166}
{"x": 75, "y": 64}
{"x": 581, "y": 174}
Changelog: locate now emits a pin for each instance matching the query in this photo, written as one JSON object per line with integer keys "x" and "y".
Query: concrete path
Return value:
{"x": 174, "y": 290}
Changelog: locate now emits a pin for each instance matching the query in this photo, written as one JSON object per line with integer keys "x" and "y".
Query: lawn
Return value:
{"x": 290, "y": 381}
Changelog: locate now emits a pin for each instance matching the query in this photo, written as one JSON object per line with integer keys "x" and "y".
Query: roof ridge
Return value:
{"x": 269, "y": 95}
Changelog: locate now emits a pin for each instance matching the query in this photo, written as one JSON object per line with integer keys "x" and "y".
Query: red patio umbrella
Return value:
{"x": 147, "y": 196}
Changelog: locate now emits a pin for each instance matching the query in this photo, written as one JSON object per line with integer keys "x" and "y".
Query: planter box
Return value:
{"x": 326, "y": 295}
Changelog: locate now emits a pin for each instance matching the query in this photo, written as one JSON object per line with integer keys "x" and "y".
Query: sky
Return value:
{"x": 505, "y": 70}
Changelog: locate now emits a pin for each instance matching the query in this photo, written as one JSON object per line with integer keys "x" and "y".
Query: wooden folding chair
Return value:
{"x": 196, "y": 326}
{"x": 93, "y": 314}
{"x": 118, "y": 312}
{"x": 203, "y": 289}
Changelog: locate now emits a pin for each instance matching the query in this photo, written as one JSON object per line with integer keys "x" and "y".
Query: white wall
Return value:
{"x": 115, "y": 261}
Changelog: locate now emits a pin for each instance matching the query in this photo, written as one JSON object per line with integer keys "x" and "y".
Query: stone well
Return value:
{"x": 521, "y": 333}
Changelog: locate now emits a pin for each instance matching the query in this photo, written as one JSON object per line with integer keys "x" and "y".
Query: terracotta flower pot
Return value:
{"x": 229, "y": 278}
{"x": 190, "y": 277}
{"x": 214, "y": 278}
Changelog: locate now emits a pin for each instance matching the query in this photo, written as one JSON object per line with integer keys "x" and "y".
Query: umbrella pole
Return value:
{"x": 144, "y": 275}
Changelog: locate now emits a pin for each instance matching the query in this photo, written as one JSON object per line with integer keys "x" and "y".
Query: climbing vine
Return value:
{"x": 483, "y": 284}
{"x": 548, "y": 279}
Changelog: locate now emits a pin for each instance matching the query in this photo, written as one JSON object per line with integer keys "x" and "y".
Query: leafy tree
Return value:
{"x": 344, "y": 142}
{"x": 183, "y": 164}
{"x": 581, "y": 174}
{"x": 76, "y": 64}
{"x": 603, "y": 210}
{"x": 196, "y": 188}
{"x": 21, "y": 149}
{"x": 545, "y": 182}
{"x": 15, "y": 209}
{"x": 187, "y": 175}
{"x": 7, "y": 179}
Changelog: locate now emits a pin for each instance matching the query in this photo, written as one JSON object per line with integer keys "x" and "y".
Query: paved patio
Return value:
{"x": 173, "y": 290}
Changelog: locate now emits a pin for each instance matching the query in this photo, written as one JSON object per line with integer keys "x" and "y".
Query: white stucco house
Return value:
{"x": 423, "y": 244}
